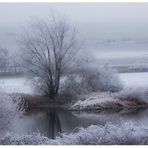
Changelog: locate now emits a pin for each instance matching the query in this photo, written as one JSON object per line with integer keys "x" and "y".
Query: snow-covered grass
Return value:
{"x": 92, "y": 101}
{"x": 34, "y": 139}
{"x": 109, "y": 134}
{"x": 134, "y": 93}
{"x": 120, "y": 133}
{"x": 127, "y": 98}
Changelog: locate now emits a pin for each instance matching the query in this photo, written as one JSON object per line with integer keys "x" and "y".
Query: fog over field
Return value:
{"x": 109, "y": 30}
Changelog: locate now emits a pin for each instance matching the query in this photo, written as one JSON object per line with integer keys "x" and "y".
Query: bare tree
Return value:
{"x": 49, "y": 48}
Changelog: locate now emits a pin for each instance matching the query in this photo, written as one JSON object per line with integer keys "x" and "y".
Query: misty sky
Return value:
{"x": 95, "y": 21}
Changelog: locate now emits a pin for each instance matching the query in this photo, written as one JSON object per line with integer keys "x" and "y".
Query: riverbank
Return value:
{"x": 125, "y": 99}
{"x": 122, "y": 133}
{"x": 22, "y": 88}
{"x": 29, "y": 102}
{"x": 101, "y": 128}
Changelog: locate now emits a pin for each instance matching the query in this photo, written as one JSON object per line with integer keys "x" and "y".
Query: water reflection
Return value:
{"x": 52, "y": 122}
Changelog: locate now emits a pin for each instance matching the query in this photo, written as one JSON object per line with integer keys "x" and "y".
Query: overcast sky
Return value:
{"x": 95, "y": 21}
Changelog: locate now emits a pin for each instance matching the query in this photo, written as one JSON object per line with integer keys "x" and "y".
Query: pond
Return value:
{"x": 51, "y": 123}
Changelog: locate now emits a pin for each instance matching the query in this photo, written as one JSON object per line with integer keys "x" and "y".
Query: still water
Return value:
{"x": 51, "y": 123}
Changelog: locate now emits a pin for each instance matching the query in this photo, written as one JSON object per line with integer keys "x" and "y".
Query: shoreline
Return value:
{"x": 91, "y": 102}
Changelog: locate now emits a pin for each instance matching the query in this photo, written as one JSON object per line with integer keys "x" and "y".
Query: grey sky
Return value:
{"x": 95, "y": 21}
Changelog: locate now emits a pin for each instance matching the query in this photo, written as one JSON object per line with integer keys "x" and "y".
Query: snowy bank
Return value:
{"x": 109, "y": 134}
{"x": 127, "y": 98}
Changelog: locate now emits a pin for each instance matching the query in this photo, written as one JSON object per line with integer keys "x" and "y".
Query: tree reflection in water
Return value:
{"x": 54, "y": 124}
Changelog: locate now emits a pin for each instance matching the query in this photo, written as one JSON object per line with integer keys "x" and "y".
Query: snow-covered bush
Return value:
{"x": 126, "y": 98}
{"x": 101, "y": 79}
{"x": 87, "y": 80}
{"x": 124, "y": 132}
{"x": 72, "y": 86}
{"x": 8, "y": 110}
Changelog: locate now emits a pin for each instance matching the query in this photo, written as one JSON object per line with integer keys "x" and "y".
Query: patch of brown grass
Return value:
{"x": 31, "y": 101}
{"x": 37, "y": 101}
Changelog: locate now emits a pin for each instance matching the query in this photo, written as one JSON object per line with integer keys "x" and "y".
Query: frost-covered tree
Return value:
{"x": 49, "y": 47}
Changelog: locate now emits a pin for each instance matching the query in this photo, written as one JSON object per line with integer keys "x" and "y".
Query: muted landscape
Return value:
{"x": 73, "y": 74}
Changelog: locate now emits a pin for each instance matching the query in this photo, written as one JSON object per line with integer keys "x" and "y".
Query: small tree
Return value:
{"x": 49, "y": 47}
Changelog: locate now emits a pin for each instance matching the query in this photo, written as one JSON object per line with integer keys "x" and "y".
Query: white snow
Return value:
{"x": 139, "y": 79}
{"x": 16, "y": 85}
{"x": 91, "y": 100}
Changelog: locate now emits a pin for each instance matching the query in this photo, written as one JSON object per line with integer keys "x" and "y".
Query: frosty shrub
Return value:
{"x": 87, "y": 80}
{"x": 72, "y": 86}
{"x": 8, "y": 110}
{"x": 101, "y": 79}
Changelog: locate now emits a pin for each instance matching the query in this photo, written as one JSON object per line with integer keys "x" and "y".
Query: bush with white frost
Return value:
{"x": 8, "y": 110}
{"x": 86, "y": 80}
{"x": 101, "y": 79}
{"x": 109, "y": 134}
